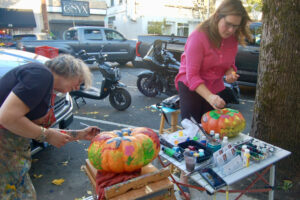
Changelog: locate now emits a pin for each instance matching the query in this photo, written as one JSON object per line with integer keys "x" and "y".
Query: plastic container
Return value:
{"x": 50, "y": 52}
{"x": 190, "y": 161}
{"x": 197, "y": 145}
{"x": 203, "y": 140}
{"x": 224, "y": 141}
{"x": 246, "y": 158}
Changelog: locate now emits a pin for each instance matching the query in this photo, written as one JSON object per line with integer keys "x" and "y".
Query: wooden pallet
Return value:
{"x": 151, "y": 184}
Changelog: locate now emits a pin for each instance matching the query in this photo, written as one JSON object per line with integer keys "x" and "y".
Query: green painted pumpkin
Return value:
{"x": 124, "y": 151}
{"x": 226, "y": 122}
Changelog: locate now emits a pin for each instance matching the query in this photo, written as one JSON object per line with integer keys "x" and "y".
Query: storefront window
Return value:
{"x": 182, "y": 29}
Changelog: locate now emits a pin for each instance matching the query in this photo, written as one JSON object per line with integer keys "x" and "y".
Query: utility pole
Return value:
{"x": 45, "y": 17}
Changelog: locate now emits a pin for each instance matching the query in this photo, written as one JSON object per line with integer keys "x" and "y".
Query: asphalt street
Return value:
{"x": 66, "y": 162}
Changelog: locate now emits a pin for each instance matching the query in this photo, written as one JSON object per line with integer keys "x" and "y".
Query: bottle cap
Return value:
{"x": 195, "y": 138}
{"x": 244, "y": 147}
{"x": 217, "y": 135}
{"x": 196, "y": 155}
{"x": 225, "y": 138}
{"x": 201, "y": 150}
{"x": 176, "y": 142}
{"x": 212, "y": 132}
{"x": 247, "y": 150}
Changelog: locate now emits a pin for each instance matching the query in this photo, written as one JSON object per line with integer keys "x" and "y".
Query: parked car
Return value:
{"x": 11, "y": 58}
{"x": 11, "y": 41}
{"x": 89, "y": 38}
{"x": 246, "y": 58}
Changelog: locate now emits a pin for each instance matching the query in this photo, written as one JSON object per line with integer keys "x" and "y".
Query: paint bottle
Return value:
{"x": 246, "y": 159}
{"x": 243, "y": 149}
{"x": 201, "y": 152}
{"x": 217, "y": 137}
{"x": 212, "y": 133}
{"x": 224, "y": 141}
{"x": 170, "y": 152}
{"x": 203, "y": 140}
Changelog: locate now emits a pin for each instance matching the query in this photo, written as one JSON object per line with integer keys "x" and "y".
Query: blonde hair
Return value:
{"x": 227, "y": 7}
{"x": 68, "y": 66}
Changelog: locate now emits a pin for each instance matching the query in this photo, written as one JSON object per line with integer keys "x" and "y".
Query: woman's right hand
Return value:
{"x": 57, "y": 138}
{"x": 216, "y": 101}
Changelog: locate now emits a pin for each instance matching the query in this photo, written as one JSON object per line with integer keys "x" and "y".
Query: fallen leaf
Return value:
{"x": 58, "y": 181}
{"x": 10, "y": 187}
{"x": 89, "y": 192}
{"x": 65, "y": 163}
{"x": 37, "y": 176}
{"x": 86, "y": 149}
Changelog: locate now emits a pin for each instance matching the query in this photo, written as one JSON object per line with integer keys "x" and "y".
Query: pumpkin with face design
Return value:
{"x": 124, "y": 151}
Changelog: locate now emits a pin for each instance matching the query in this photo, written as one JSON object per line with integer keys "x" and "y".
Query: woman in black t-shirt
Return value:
{"x": 27, "y": 96}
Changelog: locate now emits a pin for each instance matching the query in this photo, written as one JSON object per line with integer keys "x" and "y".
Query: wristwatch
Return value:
{"x": 43, "y": 136}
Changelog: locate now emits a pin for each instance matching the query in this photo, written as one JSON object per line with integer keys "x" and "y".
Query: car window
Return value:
{"x": 71, "y": 35}
{"x": 93, "y": 34}
{"x": 25, "y": 37}
{"x": 113, "y": 35}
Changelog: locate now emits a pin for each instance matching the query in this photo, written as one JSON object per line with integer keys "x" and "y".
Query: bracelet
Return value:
{"x": 43, "y": 136}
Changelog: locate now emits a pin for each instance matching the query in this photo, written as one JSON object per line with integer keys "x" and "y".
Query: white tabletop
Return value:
{"x": 236, "y": 176}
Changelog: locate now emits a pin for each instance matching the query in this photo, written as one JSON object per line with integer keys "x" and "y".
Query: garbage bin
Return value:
{"x": 47, "y": 51}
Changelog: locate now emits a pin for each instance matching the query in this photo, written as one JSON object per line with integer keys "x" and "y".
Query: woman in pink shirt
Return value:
{"x": 209, "y": 54}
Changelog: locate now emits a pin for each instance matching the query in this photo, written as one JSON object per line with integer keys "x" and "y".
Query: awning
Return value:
{"x": 16, "y": 18}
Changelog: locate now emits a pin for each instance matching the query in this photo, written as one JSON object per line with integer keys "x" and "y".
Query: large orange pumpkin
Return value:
{"x": 124, "y": 151}
{"x": 226, "y": 122}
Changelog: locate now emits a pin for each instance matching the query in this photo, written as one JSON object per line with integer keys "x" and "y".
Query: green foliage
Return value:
{"x": 254, "y": 5}
{"x": 286, "y": 186}
{"x": 155, "y": 28}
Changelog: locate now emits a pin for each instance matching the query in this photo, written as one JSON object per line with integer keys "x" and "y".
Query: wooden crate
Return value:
{"x": 151, "y": 184}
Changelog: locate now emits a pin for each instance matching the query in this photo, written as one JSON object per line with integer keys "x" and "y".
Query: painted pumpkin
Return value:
{"x": 124, "y": 151}
{"x": 226, "y": 122}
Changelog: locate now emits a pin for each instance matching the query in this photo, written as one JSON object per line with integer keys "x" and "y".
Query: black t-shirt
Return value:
{"x": 33, "y": 84}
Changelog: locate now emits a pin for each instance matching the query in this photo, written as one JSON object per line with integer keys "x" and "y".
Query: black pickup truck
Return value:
{"x": 246, "y": 58}
{"x": 89, "y": 38}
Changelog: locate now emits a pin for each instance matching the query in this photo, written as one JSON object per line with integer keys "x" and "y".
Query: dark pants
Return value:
{"x": 192, "y": 104}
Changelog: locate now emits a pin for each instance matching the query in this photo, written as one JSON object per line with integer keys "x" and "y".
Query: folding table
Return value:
{"x": 266, "y": 165}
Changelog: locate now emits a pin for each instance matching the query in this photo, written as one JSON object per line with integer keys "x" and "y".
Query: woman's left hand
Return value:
{"x": 89, "y": 133}
{"x": 232, "y": 77}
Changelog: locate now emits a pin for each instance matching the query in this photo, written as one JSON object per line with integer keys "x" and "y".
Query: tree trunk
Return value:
{"x": 276, "y": 117}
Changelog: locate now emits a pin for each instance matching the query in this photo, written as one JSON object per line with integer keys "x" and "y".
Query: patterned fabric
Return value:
{"x": 15, "y": 162}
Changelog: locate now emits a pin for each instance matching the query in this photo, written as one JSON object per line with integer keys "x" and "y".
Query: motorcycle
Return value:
{"x": 163, "y": 69}
{"x": 111, "y": 86}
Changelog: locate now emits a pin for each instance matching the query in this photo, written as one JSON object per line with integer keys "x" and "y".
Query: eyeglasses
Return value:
{"x": 230, "y": 25}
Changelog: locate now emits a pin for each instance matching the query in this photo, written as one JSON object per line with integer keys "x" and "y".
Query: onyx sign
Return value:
{"x": 75, "y": 8}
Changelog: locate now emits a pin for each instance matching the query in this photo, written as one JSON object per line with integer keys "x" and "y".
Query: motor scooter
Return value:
{"x": 163, "y": 68}
{"x": 111, "y": 86}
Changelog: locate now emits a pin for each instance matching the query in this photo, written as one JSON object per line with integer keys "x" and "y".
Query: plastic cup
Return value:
{"x": 190, "y": 162}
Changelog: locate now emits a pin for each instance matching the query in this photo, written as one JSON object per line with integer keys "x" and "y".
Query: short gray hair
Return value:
{"x": 68, "y": 66}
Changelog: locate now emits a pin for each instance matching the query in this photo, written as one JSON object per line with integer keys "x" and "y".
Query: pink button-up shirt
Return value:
{"x": 202, "y": 63}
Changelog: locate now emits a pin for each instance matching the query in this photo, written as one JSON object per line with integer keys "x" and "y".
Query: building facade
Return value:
{"x": 49, "y": 16}
{"x": 138, "y": 17}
